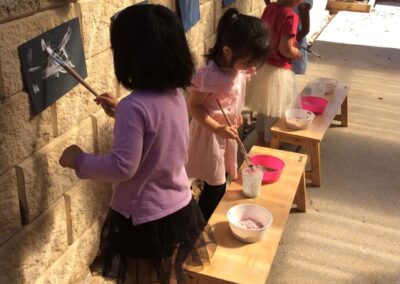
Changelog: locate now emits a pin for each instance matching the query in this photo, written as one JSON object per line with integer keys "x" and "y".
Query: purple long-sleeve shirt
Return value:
{"x": 148, "y": 157}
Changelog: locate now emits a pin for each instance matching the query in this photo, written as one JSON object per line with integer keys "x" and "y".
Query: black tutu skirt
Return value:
{"x": 165, "y": 245}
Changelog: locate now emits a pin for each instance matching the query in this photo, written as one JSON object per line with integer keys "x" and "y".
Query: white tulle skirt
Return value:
{"x": 271, "y": 91}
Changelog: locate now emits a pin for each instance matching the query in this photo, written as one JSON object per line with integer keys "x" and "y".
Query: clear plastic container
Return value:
{"x": 317, "y": 88}
{"x": 252, "y": 179}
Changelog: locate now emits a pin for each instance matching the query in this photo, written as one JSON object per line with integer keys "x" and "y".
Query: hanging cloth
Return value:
{"x": 190, "y": 13}
{"x": 227, "y": 2}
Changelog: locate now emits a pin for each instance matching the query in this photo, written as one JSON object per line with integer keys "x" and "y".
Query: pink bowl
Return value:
{"x": 274, "y": 167}
{"x": 315, "y": 104}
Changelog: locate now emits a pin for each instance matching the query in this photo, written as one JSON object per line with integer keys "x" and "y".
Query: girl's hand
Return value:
{"x": 69, "y": 156}
{"x": 226, "y": 132}
{"x": 108, "y": 102}
{"x": 298, "y": 55}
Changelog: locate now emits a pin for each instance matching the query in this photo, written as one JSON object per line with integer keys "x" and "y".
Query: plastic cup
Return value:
{"x": 317, "y": 88}
{"x": 252, "y": 179}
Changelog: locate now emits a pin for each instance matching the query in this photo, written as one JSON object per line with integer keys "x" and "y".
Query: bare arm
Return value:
{"x": 287, "y": 49}
{"x": 304, "y": 13}
{"x": 195, "y": 103}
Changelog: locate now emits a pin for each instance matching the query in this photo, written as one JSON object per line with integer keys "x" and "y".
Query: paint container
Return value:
{"x": 252, "y": 179}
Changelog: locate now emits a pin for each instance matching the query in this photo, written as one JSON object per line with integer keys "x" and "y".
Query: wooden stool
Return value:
{"x": 238, "y": 262}
{"x": 311, "y": 137}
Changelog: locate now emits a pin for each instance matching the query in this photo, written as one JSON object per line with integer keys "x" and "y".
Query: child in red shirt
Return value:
{"x": 272, "y": 90}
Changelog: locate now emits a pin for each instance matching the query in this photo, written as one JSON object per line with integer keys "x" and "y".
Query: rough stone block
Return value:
{"x": 96, "y": 23}
{"x": 256, "y": 13}
{"x": 17, "y": 32}
{"x": 122, "y": 92}
{"x": 219, "y": 11}
{"x": 87, "y": 202}
{"x": 207, "y": 12}
{"x": 209, "y": 43}
{"x": 243, "y": 6}
{"x": 101, "y": 78}
{"x": 198, "y": 55}
{"x": 10, "y": 221}
{"x": 35, "y": 248}
{"x": 10, "y": 9}
{"x": 70, "y": 266}
{"x": 167, "y": 3}
{"x": 103, "y": 126}
{"x": 44, "y": 180}
{"x": 21, "y": 132}
{"x": 257, "y": 4}
{"x": 195, "y": 35}
{"x": 47, "y": 4}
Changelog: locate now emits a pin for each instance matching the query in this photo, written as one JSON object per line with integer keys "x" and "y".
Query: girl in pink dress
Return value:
{"x": 242, "y": 41}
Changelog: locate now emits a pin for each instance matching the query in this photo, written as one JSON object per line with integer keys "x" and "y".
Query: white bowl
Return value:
{"x": 297, "y": 118}
{"x": 243, "y": 212}
{"x": 330, "y": 84}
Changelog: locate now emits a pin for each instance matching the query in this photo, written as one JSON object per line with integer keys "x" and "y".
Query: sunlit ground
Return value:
{"x": 351, "y": 232}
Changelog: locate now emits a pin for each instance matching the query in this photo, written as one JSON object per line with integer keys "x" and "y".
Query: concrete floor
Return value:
{"x": 351, "y": 232}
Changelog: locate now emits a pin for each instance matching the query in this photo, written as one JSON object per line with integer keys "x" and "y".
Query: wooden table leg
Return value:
{"x": 301, "y": 196}
{"x": 275, "y": 141}
{"x": 343, "y": 113}
{"x": 191, "y": 280}
{"x": 315, "y": 163}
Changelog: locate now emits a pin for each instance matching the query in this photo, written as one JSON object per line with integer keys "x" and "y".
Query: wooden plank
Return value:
{"x": 238, "y": 262}
{"x": 321, "y": 123}
{"x": 336, "y": 6}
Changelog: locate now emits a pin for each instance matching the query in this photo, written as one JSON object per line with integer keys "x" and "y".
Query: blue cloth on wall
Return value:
{"x": 190, "y": 13}
{"x": 227, "y": 2}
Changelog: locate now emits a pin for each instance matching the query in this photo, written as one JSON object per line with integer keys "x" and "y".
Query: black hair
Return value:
{"x": 246, "y": 36}
{"x": 150, "y": 49}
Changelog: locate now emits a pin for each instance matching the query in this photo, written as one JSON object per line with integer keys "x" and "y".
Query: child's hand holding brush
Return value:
{"x": 108, "y": 102}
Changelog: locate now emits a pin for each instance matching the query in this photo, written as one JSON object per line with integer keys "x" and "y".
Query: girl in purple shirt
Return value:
{"x": 153, "y": 220}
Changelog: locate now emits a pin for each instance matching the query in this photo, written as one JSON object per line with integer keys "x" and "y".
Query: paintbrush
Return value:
{"x": 309, "y": 50}
{"x": 240, "y": 144}
{"x": 71, "y": 71}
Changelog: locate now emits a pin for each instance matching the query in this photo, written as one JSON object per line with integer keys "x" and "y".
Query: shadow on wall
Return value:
{"x": 43, "y": 238}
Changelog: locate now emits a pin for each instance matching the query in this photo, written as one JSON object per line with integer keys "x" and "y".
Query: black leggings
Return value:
{"x": 210, "y": 197}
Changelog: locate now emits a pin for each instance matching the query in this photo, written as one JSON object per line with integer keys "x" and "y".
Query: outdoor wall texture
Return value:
{"x": 50, "y": 221}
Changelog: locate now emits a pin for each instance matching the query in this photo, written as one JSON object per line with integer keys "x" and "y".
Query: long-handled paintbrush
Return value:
{"x": 308, "y": 50}
{"x": 240, "y": 144}
{"x": 71, "y": 71}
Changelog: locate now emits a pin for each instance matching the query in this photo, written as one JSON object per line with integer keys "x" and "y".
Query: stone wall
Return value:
{"x": 50, "y": 220}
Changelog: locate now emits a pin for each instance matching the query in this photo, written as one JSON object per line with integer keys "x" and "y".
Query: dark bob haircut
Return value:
{"x": 150, "y": 49}
{"x": 246, "y": 36}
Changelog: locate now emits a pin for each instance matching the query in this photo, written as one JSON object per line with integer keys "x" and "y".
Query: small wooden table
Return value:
{"x": 238, "y": 262}
{"x": 311, "y": 137}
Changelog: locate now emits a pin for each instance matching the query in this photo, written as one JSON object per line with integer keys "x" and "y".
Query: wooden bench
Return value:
{"x": 335, "y": 6}
{"x": 238, "y": 262}
{"x": 311, "y": 137}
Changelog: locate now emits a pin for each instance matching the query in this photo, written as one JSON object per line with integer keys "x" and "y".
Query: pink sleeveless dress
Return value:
{"x": 209, "y": 156}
